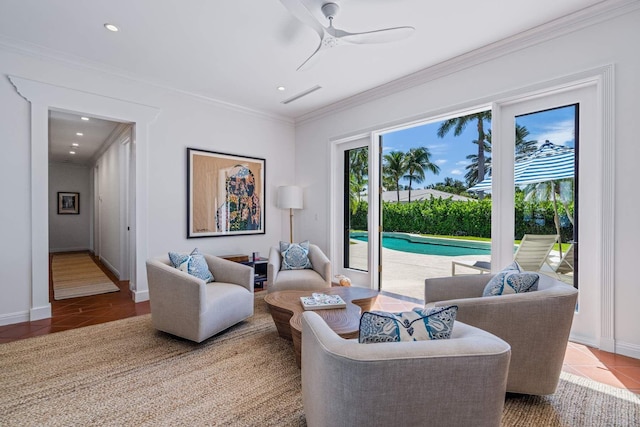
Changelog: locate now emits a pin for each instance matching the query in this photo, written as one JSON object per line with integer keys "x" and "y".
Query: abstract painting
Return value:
{"x": 225, "y": 194}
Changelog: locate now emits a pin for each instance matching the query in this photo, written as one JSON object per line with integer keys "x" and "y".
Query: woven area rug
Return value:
{"x": 126, "y": 373}
{"x": 76, "y": 275}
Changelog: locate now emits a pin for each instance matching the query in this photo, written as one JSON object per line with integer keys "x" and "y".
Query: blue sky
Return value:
{"x": 450, "y": 152}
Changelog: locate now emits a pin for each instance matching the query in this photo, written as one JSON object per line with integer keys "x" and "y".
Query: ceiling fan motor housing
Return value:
{"x": 330, "y": 10}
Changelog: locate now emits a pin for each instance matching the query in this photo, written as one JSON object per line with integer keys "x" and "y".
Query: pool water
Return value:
{"x": 431, "y": 245}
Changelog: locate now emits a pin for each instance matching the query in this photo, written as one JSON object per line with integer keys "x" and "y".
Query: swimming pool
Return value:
{"x": 428, "y": 245}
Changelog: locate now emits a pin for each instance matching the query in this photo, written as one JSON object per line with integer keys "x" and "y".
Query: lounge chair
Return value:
{"x": 564, "y": 268}
{"x": 531, "y": 254}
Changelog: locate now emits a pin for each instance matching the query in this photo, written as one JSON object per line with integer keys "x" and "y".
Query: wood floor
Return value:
{"x": 78, "y": 312}
{"x": 618, "y": 371}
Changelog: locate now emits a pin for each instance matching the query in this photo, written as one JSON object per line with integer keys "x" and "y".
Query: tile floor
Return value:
{"x": 618, "y": 371}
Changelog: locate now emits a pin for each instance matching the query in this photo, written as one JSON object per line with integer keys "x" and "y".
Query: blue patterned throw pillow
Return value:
{"x": 193, "y": 263}
{"x": 295, "y": 256}
{"x": 416, "y": 325}
{"x": 514, "y": 266}
{"x": 511, "y": 282}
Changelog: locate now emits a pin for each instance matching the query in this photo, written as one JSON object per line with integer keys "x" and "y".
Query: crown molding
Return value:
{"x": 603, "y": 11}
{"x": 73, "y": 61}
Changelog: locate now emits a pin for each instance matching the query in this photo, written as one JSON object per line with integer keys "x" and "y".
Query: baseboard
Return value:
{"x": 11, "y": 318}
{"x": 75, "y": 249}
{"x": 42, "y": 312}
{"x": 608, "y": 344}
{"x": 588, "y": 341}
{"x": 628, "y": 349}
{"x": 140, "y": 296}
{"x": 107, "y": 264}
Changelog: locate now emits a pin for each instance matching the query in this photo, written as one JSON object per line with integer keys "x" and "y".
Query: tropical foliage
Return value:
{"x": 455, "y": 218}
{"x": 458, "y": 125}
{"x": 450, "y": 185}
{"x": 411, "y": 166}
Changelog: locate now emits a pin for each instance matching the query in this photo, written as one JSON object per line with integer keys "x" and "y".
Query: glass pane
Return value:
{"x": 545, "y": 199}
{"x": 431, "y": 216}
{"x": 356, "y": 218}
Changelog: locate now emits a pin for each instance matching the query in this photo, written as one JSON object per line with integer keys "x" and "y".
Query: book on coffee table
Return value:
{"x": 319, "y": 301}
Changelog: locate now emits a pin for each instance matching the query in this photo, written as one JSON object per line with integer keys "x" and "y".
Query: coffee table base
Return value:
{"x": 286, "y": 311}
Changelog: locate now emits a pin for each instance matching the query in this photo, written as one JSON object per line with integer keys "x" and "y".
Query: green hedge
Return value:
{"x": 452, "y": 218}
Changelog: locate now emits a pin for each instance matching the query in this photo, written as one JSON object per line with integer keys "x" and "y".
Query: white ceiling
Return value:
{"x": 63, "y": 129}
{"x": 240, "y": 51}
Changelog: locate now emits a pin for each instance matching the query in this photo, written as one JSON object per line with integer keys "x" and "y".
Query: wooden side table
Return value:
{"x": 259, "y": 271}
{"x": 259, "y": 267}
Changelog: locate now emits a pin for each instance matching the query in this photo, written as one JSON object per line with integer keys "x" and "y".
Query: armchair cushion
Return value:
{"x": 295, "y": 256}
{"x": 416, "y": 325}
{"x": 193, "y": 263}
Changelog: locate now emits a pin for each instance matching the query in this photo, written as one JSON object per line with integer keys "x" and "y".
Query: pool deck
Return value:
{"x": 404, "y": 272}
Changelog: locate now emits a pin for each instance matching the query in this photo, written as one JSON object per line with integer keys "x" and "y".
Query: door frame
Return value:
{"x": 336, "y": 219}
{"x": 601, "y": 80}
{"x": 594, "y": 321}
{"x": 43, "y": 97}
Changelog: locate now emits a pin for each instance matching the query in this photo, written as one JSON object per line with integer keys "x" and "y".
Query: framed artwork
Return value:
{"x": 225, "y": 194}
{"x": 68, "y": 203}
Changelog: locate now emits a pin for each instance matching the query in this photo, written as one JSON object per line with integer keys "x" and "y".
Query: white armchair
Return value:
{"x": 186, "y": 306}
{"x": 458, "y": 381}
{"x": 317, "y": 278}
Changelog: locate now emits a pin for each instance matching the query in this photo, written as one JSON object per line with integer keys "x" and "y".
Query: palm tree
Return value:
{"x": 417, "y": 161}
{"x": 472, "y": 169}
{"x": 358, "y": 169}
{"x": 523, "y": 149}
{"x": 394, "y": 168}
{"x": 459, "y": 124}
{"x": 559, "y": 190}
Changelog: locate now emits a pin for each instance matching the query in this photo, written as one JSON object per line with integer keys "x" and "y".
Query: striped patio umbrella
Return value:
{"x": 550, "y": 162}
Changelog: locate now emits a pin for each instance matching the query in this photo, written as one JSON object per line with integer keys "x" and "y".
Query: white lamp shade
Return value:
{"x": 289, "y": 197}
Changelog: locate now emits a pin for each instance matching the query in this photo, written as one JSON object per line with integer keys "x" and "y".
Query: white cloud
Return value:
{"x": 438, "y": 148}
{"x": 387, "y": 148}
{"x": 440, "y": 161}
{"x": 462, "y": 163}
{"x": 456, "y": 172}
{"x": 559, "y": 133}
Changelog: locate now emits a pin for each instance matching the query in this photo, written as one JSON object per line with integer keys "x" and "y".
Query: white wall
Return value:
{"x": 69, "y": 232}
{"x": 184, "y": 121}
{"x": 110, "y": 229}
{"x": 613, "y": 41}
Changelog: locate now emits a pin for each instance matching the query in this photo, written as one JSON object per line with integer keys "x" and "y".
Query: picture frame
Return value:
{"x": 225, "y": 194}
{"x": 68, "y": 203}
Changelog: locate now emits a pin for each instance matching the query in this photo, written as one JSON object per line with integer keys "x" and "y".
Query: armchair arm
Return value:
{"x": 320, "y": 263}
{"x": 230, "y": 272}
{"x": 447, "y": 288}
{"x": 177, "y": 298}
{"x": 273, "y": 266}
{"x": 168, "y": 285}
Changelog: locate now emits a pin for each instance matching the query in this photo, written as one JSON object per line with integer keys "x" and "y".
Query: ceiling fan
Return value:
{"x": 332, "y": 37}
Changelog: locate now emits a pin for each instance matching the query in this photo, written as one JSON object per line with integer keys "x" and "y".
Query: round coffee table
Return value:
{"x": 286, "y": 311}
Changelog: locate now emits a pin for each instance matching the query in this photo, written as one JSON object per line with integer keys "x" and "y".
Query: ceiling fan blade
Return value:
{"x": 378, "y": 36}
{"x": 300, "y": 11}
{"x": 313, "y": 58}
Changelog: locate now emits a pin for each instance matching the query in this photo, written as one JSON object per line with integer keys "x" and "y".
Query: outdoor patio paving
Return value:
{"x": 403, "y": 273}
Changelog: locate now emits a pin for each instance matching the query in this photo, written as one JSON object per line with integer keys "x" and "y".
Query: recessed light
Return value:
{"x": 75, "y": 144}
{"x": 111, "y": 27}
{"x": 281, "y": 88}
{"x": 79, "y": 133}
{"x": 86, "y": 119}
{"x": 72, "y": 152}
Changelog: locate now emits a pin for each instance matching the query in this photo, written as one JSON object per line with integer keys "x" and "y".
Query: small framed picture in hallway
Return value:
{"x": 68, "y": 203}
